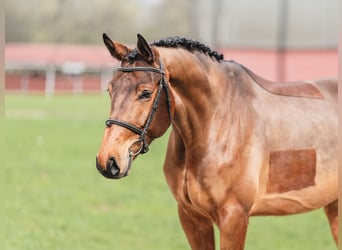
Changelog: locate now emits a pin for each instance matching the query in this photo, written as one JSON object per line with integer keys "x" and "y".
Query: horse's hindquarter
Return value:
{"x": 299, "y": 137}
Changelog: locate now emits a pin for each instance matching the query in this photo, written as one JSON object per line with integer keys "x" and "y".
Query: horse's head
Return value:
{"x": 141, "y": 107}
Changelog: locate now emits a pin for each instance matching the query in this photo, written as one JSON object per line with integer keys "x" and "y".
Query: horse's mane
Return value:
{"x": 180, "y": 42}
{"x": 188, "y": 44}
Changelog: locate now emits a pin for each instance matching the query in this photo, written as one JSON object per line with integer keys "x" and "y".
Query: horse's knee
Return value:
{"x": 233, "y": 223}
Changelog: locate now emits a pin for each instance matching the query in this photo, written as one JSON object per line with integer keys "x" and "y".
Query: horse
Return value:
{"x": 239, "y": 146}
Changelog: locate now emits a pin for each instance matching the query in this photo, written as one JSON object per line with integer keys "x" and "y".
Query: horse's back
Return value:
{"x": 329, "y": 89}
{"x": 308, "y": 89}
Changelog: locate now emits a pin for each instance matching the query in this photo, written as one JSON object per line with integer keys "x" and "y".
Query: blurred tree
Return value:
{"x": 77, "y": 21}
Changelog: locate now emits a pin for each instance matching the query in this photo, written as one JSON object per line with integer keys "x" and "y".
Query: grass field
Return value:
{"x": 55, "y": 199}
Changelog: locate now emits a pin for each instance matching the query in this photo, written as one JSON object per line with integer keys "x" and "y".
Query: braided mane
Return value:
{"x": 188, "y": 44}
{"x": 180, "y": 42}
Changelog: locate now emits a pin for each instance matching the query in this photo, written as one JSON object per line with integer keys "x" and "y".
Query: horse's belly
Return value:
{"x": 322, "y": 193}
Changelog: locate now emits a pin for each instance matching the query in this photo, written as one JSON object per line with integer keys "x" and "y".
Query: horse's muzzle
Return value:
{"x": 112, "y": 169}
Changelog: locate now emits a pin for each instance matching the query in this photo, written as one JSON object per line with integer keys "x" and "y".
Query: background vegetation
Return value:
{"x": 231, "y": 23}
{"x": 55, "y": 199}
{"x": 77, "y": 21}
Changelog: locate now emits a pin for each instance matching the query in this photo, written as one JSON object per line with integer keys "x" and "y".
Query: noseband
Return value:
{"x": 142, "y": 132}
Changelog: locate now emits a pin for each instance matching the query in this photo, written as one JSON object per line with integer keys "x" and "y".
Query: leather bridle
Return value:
{"x": 143, "y": 131}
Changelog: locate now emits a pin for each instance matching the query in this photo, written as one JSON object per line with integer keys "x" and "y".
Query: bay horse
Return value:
{"x": 239, "y": 146}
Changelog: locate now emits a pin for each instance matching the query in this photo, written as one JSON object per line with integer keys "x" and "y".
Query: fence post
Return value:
{"x": 50, "y": 80}
{"x": 106, "y": 76}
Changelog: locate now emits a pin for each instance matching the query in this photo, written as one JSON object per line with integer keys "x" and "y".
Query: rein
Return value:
{"x": 144, "y": 147}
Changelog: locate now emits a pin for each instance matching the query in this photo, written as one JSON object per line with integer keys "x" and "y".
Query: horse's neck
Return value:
{"x": 209, "y": 107}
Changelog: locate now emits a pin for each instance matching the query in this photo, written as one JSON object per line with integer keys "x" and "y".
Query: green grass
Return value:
{"x": 55, "y": 199}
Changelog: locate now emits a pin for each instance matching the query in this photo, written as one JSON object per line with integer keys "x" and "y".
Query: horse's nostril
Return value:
{"x": 112, "y": 166}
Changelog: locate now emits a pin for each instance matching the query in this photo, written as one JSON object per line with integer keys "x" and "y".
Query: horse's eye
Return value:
{"x": 145, "y": 94}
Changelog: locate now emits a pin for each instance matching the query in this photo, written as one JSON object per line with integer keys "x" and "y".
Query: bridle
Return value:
{"x": 143, "y": 131}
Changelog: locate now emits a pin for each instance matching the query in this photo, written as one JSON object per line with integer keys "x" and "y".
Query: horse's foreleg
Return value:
{"x": 198, "y": 229}
{"x": 331, "y": 211}
{"x": 233, "y": 222}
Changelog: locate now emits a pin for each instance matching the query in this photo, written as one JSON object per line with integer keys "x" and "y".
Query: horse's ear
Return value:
{"x": 145, "y": 49}
{"x": 117, "y": 50}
